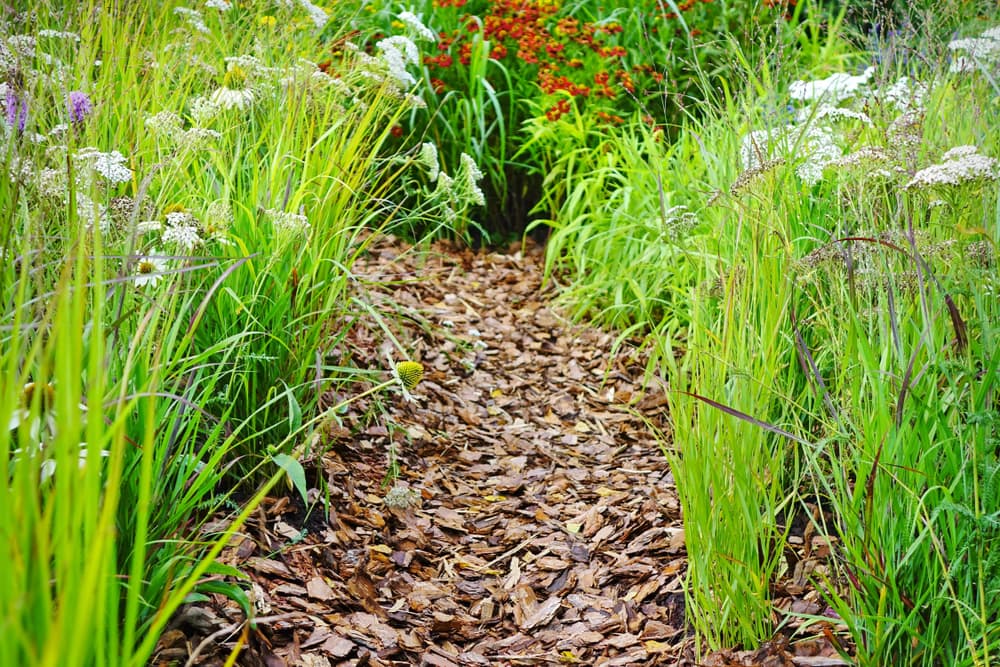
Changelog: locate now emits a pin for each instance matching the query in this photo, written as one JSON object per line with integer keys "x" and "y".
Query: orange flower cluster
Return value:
{"x": 558, "y": 53}
{"x": 538, "y": 38}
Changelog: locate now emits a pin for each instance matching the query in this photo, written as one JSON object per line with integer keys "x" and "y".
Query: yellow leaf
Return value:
{"x": 573, "y": 527}
{"x": 652, "y": 646}
{"x": 382, "y": 549}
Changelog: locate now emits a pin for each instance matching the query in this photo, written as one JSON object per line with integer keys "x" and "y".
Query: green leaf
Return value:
{"x": 294, "y": 412}
{"x": 226, "y": 570}
{"x": 295, "y": 472}
{"x": 231, "y": 591}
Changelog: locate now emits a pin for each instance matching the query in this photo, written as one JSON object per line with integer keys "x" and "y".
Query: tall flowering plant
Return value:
{"x": 496, "y": 64}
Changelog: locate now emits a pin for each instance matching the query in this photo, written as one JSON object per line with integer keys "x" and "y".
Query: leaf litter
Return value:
{"x": 534, "y": 518}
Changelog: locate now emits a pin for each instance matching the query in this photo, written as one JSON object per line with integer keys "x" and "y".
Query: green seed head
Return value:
{"x": 410, "y": 373}
{"x": 236, "y": 77}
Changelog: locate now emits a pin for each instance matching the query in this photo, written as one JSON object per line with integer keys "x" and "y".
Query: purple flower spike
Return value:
{"x": 79, "y": 106}
{"x": 17, "y": 110}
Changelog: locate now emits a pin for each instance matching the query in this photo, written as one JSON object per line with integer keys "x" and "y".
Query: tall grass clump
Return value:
{"x": 829, "y": 331}
{"x": 185, "y": 193}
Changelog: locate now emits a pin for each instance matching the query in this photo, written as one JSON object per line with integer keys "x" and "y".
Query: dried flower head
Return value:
{"x": 402, "y": 497}
{"x": 980, "y": 254}
{"x": 747, "y": 178}
{"x": 46, "y": 395}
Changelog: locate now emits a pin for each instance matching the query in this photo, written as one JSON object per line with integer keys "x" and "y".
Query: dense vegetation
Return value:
{"x": 793, "y": 206}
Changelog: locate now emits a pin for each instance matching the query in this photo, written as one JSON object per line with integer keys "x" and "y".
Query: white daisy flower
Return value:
{"x": 149, "y": 270}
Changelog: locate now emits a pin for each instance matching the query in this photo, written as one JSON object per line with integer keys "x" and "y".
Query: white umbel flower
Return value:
{"x": 472, "y": 175}
{"x": 181, "y": 231}
{"x": 287, "y": 223}
{"x": 398, "y": 53}
{"x": 832, "y": 90}
{"x": 193, "y": 18}
{"x": 429, "y": 160}
{"x": 417, "y": 27}
{"x": 960, "y": 165}
{"x": 111, "y": 166}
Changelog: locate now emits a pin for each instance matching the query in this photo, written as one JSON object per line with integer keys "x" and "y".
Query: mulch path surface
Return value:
{"x": 534, "y": 519}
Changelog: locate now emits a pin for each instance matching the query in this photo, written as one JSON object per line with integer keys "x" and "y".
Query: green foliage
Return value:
{"x": 829, "y": 331}
{"x": 501, "y": 67}
{"x": 178, "y": 235}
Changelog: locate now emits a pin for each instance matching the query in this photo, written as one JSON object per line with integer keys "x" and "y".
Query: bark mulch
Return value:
{"x": 534, "y": 519}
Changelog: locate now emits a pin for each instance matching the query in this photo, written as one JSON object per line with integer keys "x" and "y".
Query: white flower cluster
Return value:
{"x": 905, "y": 94}
{"x": 978, "y": 51}
{"x": 960, "y": 165}
{"x": 471, "y": 175}
{"x": 814, "y": 137}
{"x": 52, "y": 183}
{"x": 22, "y": 45}
{"x": 165, "y": 124}
{"x": 288, "y": 223}
{"x": 193, "y": 18}
{"x": 7, "y": 59}
{"x": 256, "y": 72}
{"x": 316, "y": 14}
{"x": 461, "y": 191}
{"x": 814, "y": 145}
{"x": 203, "y": 110}
{"x": 829, "y": 112}
{"x": 675, "y": 223}
{"x": 59, "y": 34}
{"x": 91, "y": 214}
{"x": 221, "y": 5}
{"x": 182, "y": 231}
{"x": 111, "y": 165}
{"x": 428, "y": 159}
{"x": 398, "y": 52}
{"x": 832, "y": 90}
{"x": 869, "y": 161}
{"x": 417, "y": 27}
